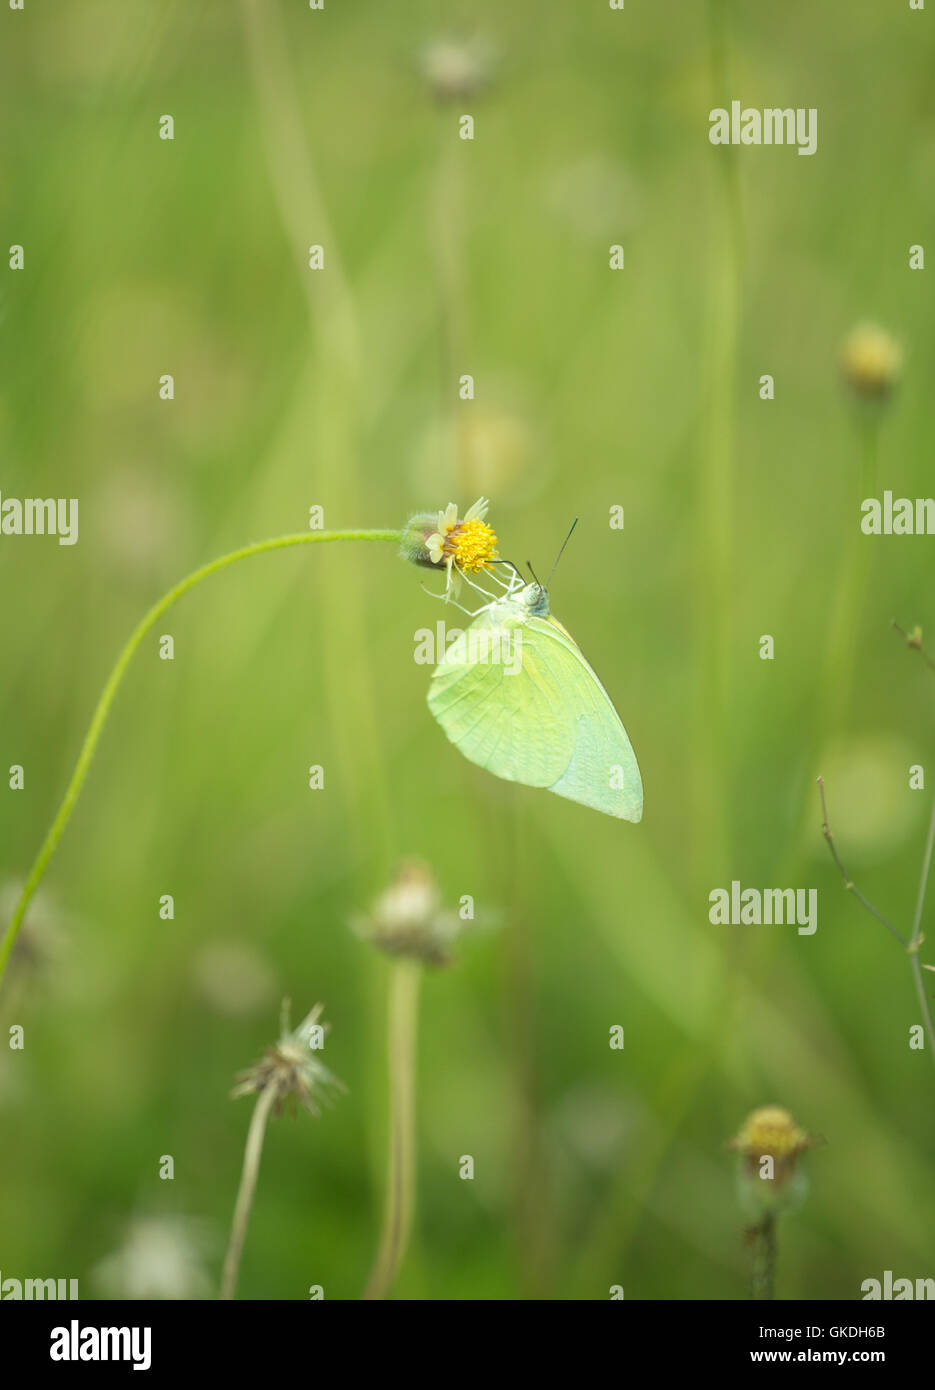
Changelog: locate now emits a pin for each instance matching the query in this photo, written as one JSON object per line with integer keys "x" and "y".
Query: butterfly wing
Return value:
{"x": 506, "y": 715}
{"x": 551, "y": 724}
{"x": 602, "y": 771}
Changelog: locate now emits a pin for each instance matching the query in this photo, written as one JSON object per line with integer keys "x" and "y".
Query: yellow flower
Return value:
{"x": 464, "y": 544}
{"x": 444, "y": 540}
{"x": 770, "y": 1144}
{"x": 770, "y": 1130}
{"x": 872, "y": 360}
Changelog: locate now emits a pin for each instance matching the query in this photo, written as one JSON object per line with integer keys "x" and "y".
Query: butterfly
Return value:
{"x": 515, "y": 695}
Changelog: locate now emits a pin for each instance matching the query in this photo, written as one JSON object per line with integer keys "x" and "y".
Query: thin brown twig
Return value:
{"x": 916, "y": 939}
{"x": 913, "y": 945}
{"x": 914, "y": 639}
{"x": 849, "y": 883}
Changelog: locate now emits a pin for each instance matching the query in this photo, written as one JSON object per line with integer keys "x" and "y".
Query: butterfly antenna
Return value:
{"x": 533, "y": 573}
{"x": 560, "y": 553}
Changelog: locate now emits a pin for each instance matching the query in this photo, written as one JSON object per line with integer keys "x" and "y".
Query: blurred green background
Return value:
{"x": 339, "y": 388}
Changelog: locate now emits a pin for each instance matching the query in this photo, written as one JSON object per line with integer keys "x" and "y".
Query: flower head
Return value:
{"x": 290, "y": 1067}
{"x": 770, "y": 1144}
{"x": 872, "y": 361}
{"x": 456, "y": 69}
{"x": 407, "y": 919}
{"x": 445, "y": 540}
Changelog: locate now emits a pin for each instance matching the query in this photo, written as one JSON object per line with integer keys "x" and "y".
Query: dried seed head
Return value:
{"x": 407, "y": 919}
{"x": 291, "y": 1068}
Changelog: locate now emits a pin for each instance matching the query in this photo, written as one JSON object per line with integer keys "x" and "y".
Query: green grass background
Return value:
{"x": 639, "y": 388}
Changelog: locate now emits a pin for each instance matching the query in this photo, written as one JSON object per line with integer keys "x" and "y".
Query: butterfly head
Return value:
{"x": 535, "y": 599}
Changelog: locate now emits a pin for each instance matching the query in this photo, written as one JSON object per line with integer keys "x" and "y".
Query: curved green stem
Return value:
{"x": 92, "y": 738}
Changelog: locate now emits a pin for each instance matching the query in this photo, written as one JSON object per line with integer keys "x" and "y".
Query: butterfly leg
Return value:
{"x": 515, "y": 581}
{"x": 445, "y": 598}
{"x": 495, "y": 578}
{"x": 480, "y": 590}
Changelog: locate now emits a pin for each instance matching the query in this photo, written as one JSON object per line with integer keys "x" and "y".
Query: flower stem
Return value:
{"x": 853, "y": 588}
{"x": 715, "y": 597}
{"x": 92, "y": 738}
{"x": 251, "y": 1168}
{"x": 764, "y": 1258}
{"x": 400, "y": 1178}
{"x": 916, "y": 939}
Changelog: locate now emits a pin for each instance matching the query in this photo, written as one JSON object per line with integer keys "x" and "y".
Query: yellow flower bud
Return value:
{"x": 872, "y": 361}
{"x": 770, "y": 1144}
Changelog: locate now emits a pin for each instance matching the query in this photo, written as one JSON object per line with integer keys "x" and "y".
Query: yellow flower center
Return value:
{"x": 771, "y": 1130}
{"x": 472, "y": 545}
